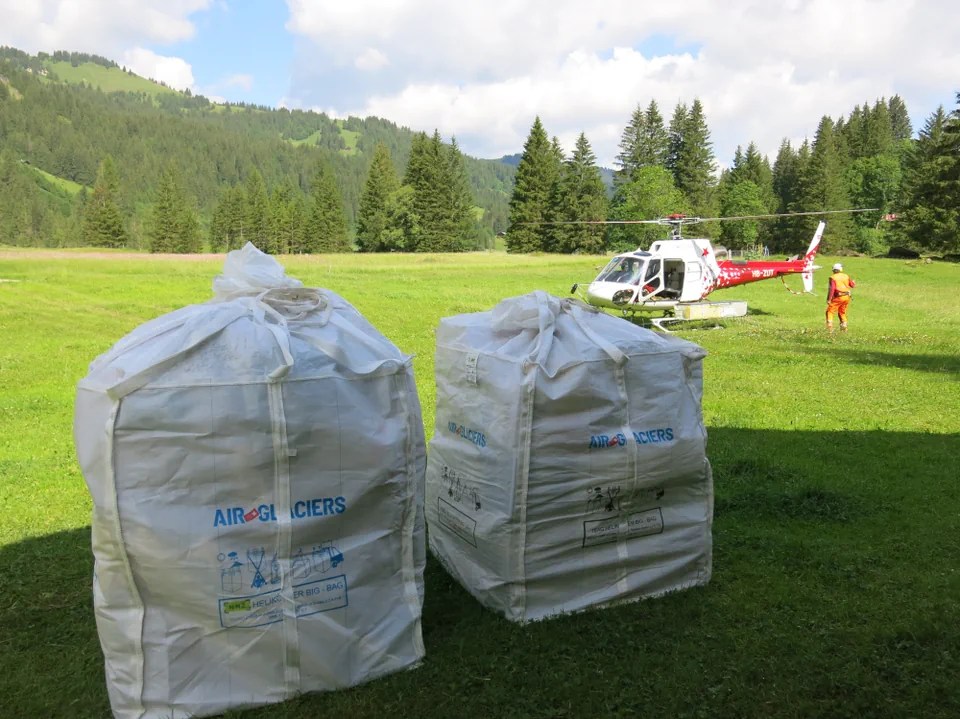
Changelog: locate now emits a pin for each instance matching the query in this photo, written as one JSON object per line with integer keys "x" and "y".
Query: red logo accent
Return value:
{"x": 251, "y": 515}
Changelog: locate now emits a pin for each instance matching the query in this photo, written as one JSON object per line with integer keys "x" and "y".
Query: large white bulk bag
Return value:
{"x": 568, "y": 467}
{"x": 256, "y": 466}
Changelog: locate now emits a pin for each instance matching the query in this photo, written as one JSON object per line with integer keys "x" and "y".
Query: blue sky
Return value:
{"x": 764, "y": 72}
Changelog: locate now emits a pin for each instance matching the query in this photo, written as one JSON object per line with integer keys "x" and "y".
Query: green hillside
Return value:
{"x": 62, "y": 114}
{"x": 67, "y": 187}
{"x": 107, "y": 79}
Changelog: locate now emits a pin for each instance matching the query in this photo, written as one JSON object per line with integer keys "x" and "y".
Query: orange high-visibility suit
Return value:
{"x": 838, "y": 297}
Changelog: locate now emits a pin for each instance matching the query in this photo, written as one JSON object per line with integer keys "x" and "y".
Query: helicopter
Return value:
{"x": 675, "y": 276}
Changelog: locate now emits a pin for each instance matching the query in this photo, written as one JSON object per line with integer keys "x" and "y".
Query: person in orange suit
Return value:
{"x": 838, "y": 296}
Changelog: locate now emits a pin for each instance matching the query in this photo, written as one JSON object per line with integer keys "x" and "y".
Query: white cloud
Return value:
{"x": 173, "y": 71}
{"x": 96, "y": 26}
{"x": 371, "y": 59}
{"x": 763, "y": 71}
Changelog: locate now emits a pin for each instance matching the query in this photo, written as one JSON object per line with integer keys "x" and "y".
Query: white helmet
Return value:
{"x": 837, "y": 266}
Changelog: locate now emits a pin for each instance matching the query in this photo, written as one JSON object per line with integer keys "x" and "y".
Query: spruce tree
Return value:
{"x": 824, "y": 187}
{"x": 326, "y": 226}
{"x": 580, "y": 197}
{"x": 878, "y": 131}
{"x": 900, "y": 126}
{"x": 256, "y": 212}
{"x": 286, "y": 218}
{"x": 422, "y": 177}
{"x": 103, "y": 224}
{"x": 175, "y": 226}
{"x": 931, "y": 216}
{"x": 627, "y": 159}
{"x": 537, "y": 172}
{"x": 227, "y": 223}
{"x": 459, "y": 220}
{"x": 166, "y": 212}
{"x": 695, "y": 166}
{"x": 372, "y": 214}
{"x": 654, "y": 145}
{"x": 678, "y": 125}
{"x": 788, "y": 172}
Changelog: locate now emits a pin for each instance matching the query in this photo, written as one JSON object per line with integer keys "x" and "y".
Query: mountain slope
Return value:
{"x": 64, "y": 113}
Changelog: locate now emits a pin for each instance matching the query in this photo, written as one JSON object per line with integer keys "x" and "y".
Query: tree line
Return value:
{"x": 173, "y": 172}
{"x": 50, "y": 128}
{"x": 867, "y": 159}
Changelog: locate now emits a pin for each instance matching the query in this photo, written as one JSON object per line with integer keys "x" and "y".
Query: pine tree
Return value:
{"x": 422, "y": 177}
{"x": 174, "y": 226}
{"x": 326, "y": 227}
{"x": 256, "y": 220}
{"x": 372, "y": 214}
{"x": 166, "y": 211}
{"x": 441, "y": 199}
{"x": 654, "y": 146}
{"x": 537, "y": 172}
{"x": 103, "y": 224}
{"x": 824, "y": 187}
{"x": 678, "y": 125}
{"x": 580, "y": 197}
{"x": 878, "y": 131}
{"x": 286, "y": 218}
{"x": 226, "y": 225}
{"x": 627, "y": 159}
{"x": 789, "y": 169}
{"x": 900, "y": 126}
{"x": 459, "y": 221}
{"x": 695, "y": 166}
{"x": 931, "y": 218}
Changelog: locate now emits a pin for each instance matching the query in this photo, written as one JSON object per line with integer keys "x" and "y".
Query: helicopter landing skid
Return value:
{"x": 659, "y": 322}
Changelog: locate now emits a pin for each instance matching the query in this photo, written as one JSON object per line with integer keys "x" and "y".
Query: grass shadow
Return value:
{"x": 947, "y": 364}
{"x": 835, "y": 545}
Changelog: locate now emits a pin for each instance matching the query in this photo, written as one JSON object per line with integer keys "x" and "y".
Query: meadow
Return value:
{"x": 836, "y": 587}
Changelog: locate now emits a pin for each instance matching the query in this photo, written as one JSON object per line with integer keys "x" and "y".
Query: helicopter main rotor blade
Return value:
{"x": 786, "y": 214}
{"x": 695, "y": 220}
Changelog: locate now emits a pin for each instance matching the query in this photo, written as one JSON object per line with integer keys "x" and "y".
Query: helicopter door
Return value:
{"x": 673, "y": 279}
{"x": 653, "y": 280}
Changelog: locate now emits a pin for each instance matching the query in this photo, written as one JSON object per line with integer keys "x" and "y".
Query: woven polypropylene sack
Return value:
{"x": 568, "y": 468}
{"x": 256, "y": 466}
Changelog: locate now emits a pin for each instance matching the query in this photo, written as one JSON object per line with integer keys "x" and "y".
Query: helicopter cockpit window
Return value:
{"x": 624, "y": 270}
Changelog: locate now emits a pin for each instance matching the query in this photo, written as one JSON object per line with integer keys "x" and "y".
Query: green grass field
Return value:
{"x": 108, "y": 79}
{"x": 836, "y": 589}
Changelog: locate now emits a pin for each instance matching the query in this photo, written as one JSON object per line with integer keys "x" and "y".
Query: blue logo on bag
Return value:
{"x": 647, "y": 436}
{"x": 471, "y": 435}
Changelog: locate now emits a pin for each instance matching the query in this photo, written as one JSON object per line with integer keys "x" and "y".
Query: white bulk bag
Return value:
{"x": 256, "y": 466}
{"x": 568, "y": 467}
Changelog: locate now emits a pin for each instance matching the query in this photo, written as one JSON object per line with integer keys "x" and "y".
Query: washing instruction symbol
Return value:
{"x": 231, "y": 573}
{"x": 456, "y": 487}
{"x": 274, "y": 570}
{"x": 301, "y": 566}
{"x": 609, "y": 501}
{"x": 326, "y": 556}
{"x": 256, "y": 555}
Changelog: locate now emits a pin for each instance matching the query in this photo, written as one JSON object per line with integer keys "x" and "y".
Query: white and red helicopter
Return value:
{"x": 675, "y": 276}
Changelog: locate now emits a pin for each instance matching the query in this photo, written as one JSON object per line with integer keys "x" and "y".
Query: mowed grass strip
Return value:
{"x": 836, "y": 588}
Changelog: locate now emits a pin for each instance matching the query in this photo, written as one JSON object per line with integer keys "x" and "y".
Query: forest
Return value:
{"x": 92, "y": 155}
